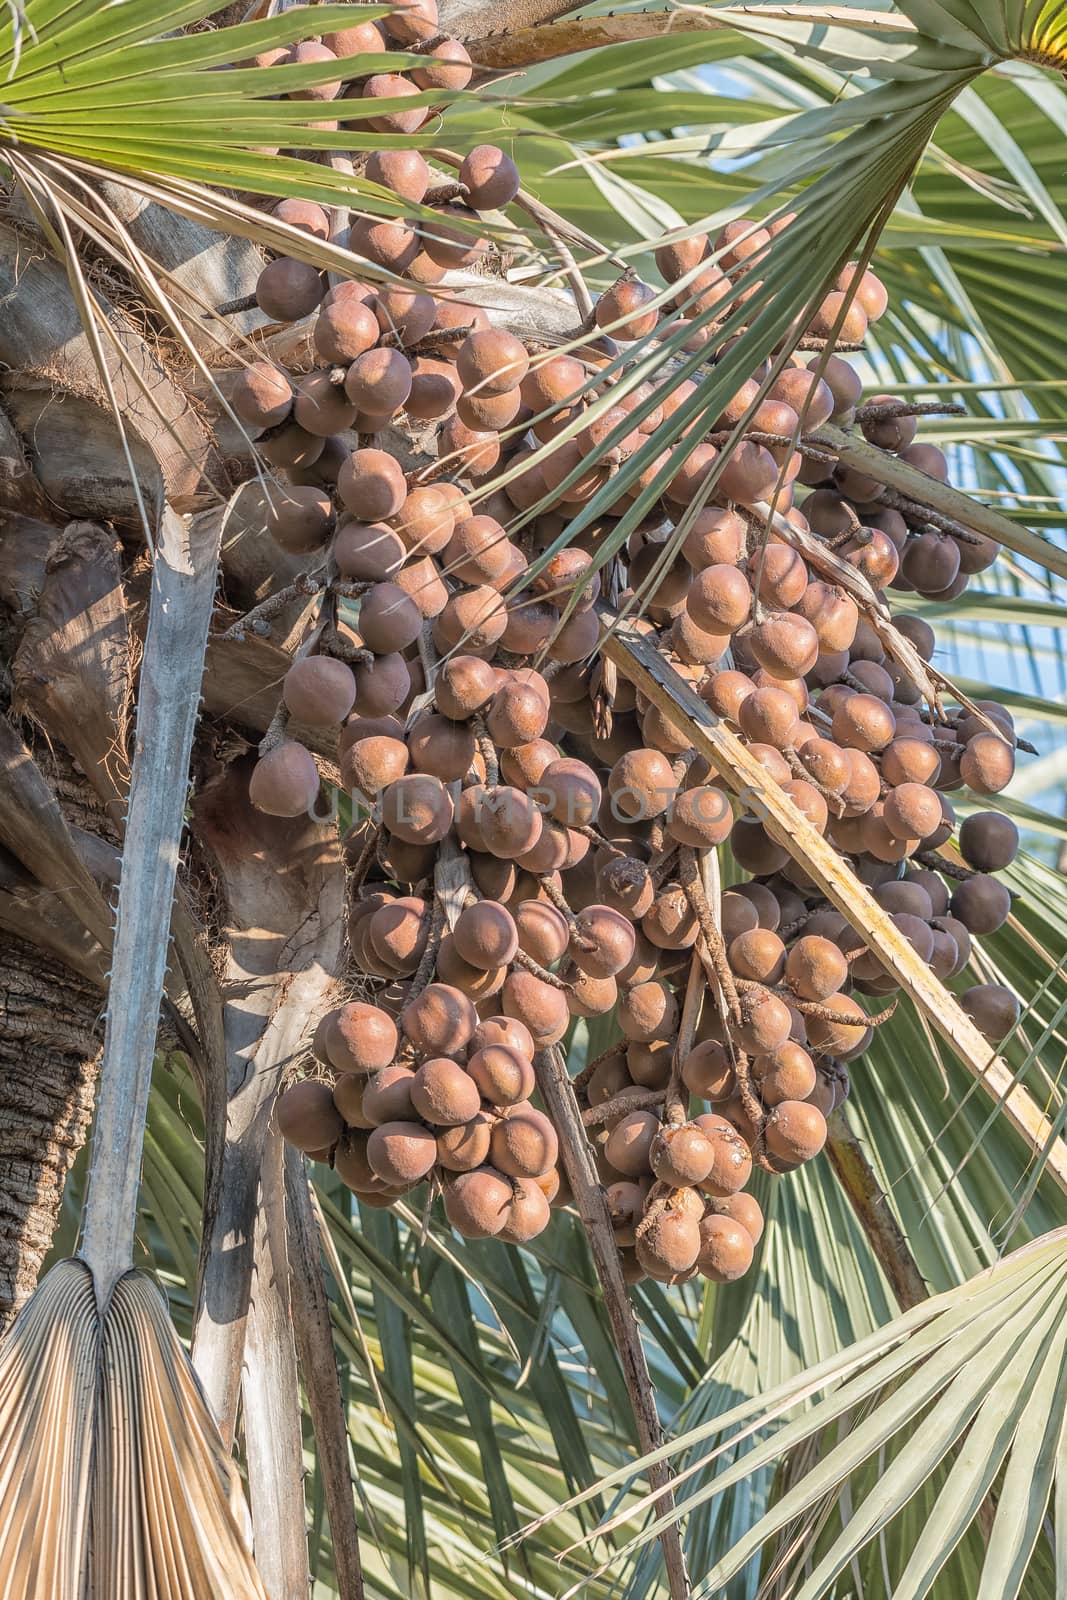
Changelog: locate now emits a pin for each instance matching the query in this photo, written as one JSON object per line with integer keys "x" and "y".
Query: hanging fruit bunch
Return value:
{"x": 533, "y": 836}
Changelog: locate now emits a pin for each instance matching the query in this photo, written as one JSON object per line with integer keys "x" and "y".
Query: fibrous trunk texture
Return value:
{"x": 49, "y": 1051}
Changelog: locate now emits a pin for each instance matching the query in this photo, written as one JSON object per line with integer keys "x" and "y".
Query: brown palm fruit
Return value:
{"x": 988, "y": 841}
{"x": 846, "y": 1037}
{"x": 992, "y": 1008}
{"x": 305, "y": 215}
{"x": 477, "y": 1203}
{"x": 348, "y": 1094}
{"x": 909, "y": 759}
{"x": 603, "y": 941}
{"x": 738, "y": 913}
{"x": 287, "y": 290}
{"x": 528, "y": 1214}
{"x": 679, "y": 256}
{"x": 285, "y": 782}
{"x": 491, "y": 361}
{"x": 368, "y": 551}
{"x": 477, "y": 982}
{"x": 434, "y": 388}
{"x": 608, "y": 1080}
{"x": 308, "y": 1117}
{"x": 543, "y": 932}
{"x": 486, "y": 935}
{"x": 574, "y": 639}
{"x": 489, "y": 411}
{"x": 505, "y": 1031}
{"x": 795, "y": 1132}
{"x": 440, "y": 746}
{"x": 465, "y": 1146}
{"x": 931, "y": 562}
{"x": 826, "y": 763}
{"x": 570, "y": 790}
{"x": 262, "y": 395}
{"x": 647, "y": 1011}
{"x": 863, "y": 722}
{"x": 646, "y": 964}
{"x": 451, "y": 240}
{"x": 517, "y": 714}
{"x": 726, "y": 1248}
{"x": 491, "y": 177}
{"x": 987, "y": 763}
{"x": 715, "y": 538}
{"x": 299, "y": 518}
{"x": 361, "y": 1038}
{"x": 319, "y": 691}
{"x": 444, "y": 1094}
{"x": 477, "y": 551}
{"x": 621, "y": 309}
{"x": 504, "y": 1075}
{"x": 981, "y": 904}
{"x": 649, "y": 1065}
{"x": 371, "y": 485}
{"x": 403, "y": 171}
{"x": 864, "y": 784}
{"x": 787, "y": 1073}
{"x": 552, "y": 382}
{"x": 732, "y": 1165}
{"x": 780, "y": 575}
{"x": 401, "y": 1152}
{"x": 641, "y": 785}
{"x": 720, "y": 599}
{"x": 623, "y": 884}
{"x": 701, "y": 817}
{"x": 383, "y": 88}
{"x": 351, "y": 1164}
{"x": 388, "y": 620}
{"x": 379, "y": 381}
{"x": 626, "y": 1203}
{"x": 446, "y": 66}
{"x": 464, "y": 685}
{"x": 439, "y": 1021}
{"x": 310, "y": 52}
{"x": 785, "y": 645}
{"x": 668, "y": 1245}
{"x": 912, "y": 811}
{"x": 474, "y": 619}
{"x": 758, "y": 956}
{"x": 542, "y": 1008}
{"x": 815, "y": 968}
{"x": 589, "y": 997}
{"x": 769, "y": 716}
{"x": 809, "y": 802}
{"x": 672, "y": 923}
{"x": 707, "y": 1071}
{"x": 831, "y": 612}
{"x": 745, "y": 1209}
{"x": 681, "y": 1155}
{"x": 382, "y": 685}
{"x": 629, "y": 1144}
{"x": 508, "y": 822}
{"x": 768, "y": 907}
{"x": 387, "y": 1096}
{"x": 417, "y": 808}
{"x": 765, "y": 1022}
{"x": 398, "y": 933}
{"x": 523, "y": 1143}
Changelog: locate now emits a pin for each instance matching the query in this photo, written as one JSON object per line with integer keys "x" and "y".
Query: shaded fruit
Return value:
{"x": 401, "y": 1152}
{"x": 523, "y": 1143}
{"x": 307, "y": 1116}
{"x": 726, "y": 1249}
{"x": 988, "y": 841}
{"x": 486, "y": 935}
{"x": 539, "y": 1006}
{"x": 439, "y": 1021}
{"x": 319, "y": 691}
{"x": 504, "y": 1075}
{"x": 444, "y": 1094}
{"x": 993, "y": 1009}
{"x": 285, "y": 782}
{"x": 466, "y": 1146}
{"x": 795, "y": 1131}
{"x": 477, "y": 1203}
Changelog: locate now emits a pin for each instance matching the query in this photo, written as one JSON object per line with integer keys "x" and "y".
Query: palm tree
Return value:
{"x": 446, "y": 1395}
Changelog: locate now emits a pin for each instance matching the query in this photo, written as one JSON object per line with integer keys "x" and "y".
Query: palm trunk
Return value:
{"x": 49, "y": 1048}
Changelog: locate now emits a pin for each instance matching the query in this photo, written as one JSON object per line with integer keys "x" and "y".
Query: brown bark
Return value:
{"x": 49, "y": 1048}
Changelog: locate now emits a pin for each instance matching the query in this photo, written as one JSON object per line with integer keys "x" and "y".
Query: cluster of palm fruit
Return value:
{"x": 531, "y": 830}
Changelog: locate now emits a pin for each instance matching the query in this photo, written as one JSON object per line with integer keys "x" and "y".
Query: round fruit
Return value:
{"x": 444, "y": 1094}
{"x": 523, "y": 1143}
{"x": 504, "y": 1075}
{"x": 477, "y": 1203}
{"x": 285, "y": 782}
{"x": 486, "y": 935}
{"x": 993, "y": 1009}
{"x": 360, "y": 1038}
{"x": 439, "y": 1021}
{"x": 401, "y": 1152}
{"x": 795, "y": 1131}
{"x": 319, "y": 691}
{"x": 308, "y": 1117}
{"x": 726, "y": 1249}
